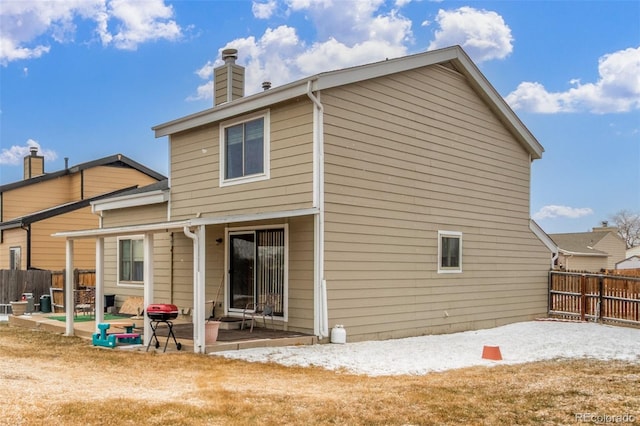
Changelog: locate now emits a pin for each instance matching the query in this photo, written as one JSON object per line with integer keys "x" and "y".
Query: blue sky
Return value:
{"x": 85, "y": 79}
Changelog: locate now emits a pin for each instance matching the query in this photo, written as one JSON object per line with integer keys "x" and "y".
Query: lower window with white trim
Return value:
{"x": 131, "y": 261}
{"x": 449, "y": 252}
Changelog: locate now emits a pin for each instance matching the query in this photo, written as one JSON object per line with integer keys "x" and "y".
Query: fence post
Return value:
{"x": 583, "y": 297}
{"x": 550, "y": 299}
{"x": 600, "y": 298}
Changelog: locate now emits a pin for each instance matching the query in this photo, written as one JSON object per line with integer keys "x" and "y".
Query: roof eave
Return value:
{"x": 134, "y": 200}
{"x": 331, "y": 79}
{"x": 499, "y": 105}
{"x": 577, "y": 253}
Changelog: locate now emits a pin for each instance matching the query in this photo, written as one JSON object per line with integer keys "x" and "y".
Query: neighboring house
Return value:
{"x": 633, "y": 251}
{"x": 32, "y": 209}
{"x": 632, "y": 262}
{"x": 392, "y": 198}
{"x": 591, "y": 251}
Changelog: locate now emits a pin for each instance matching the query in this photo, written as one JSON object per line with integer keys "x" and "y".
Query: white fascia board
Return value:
{"x": 298, "y": 88}
{"x": 134, "y": 200}
{"x": 253, "y": 217}
{"x": 355, "y": 74}
{"x": 471, "y": 71}
{"x": 577, "y": 253}
{"x": 542, "y": 236}
{"x": 232, "y": 109}
{"x": 180, "y": 224}
{"x": 123, "y": 230}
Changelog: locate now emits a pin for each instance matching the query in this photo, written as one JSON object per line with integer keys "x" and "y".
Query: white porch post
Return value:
{"x": 99, "y": 302}
{"x": 68, "y": 285}
{"x": 148, "y": 283}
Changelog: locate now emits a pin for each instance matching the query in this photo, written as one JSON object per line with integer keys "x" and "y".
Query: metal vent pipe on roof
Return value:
{"x": 229, "y": 56}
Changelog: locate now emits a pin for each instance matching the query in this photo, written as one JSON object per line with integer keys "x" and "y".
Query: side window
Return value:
{"x": 244, "y": 150}
{"x": 130, "y": 260}
{"x": 14, "y": 258}
{"x": 449, "y": 252}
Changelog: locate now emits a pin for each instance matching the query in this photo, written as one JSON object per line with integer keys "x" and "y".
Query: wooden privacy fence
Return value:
{"x": 14, "y": 282}
{"x": 81, "y": 278}
{"x": 598, "y": 297}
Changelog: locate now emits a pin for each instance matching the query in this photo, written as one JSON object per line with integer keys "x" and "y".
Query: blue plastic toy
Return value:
{"x": 110, "y": 340}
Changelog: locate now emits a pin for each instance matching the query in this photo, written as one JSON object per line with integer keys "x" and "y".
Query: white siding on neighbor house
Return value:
{"x": 408, "y": 155}
{"x": 195, "y": 169}
{"x": 161, "y": 252}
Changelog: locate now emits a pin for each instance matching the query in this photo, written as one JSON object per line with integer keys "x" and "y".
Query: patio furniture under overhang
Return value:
{"x": 192, "y": 228}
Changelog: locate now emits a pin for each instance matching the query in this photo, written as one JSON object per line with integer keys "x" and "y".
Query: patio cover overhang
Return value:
{"x": 192, "y": 228}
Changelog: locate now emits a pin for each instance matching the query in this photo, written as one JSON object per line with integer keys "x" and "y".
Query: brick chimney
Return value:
{"x": 228, "y": 79}
{"x": 33, "y": 164}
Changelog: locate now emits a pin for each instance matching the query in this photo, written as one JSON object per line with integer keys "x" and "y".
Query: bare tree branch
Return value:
{"x": 628, "y": 224}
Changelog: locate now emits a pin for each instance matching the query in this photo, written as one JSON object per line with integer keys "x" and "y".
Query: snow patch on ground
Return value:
{"x": 519, "y": 343}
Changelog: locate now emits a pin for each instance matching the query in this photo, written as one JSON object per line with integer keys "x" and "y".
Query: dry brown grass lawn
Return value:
{"x": 51, "y": 379}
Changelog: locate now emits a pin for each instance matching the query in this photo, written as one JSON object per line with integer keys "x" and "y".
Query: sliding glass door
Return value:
{"x": 257, "y": 268}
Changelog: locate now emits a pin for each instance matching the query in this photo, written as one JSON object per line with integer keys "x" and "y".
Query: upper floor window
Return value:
{"x": 244, "y": 149}
{"x": 449, "y": 251}
{"x": 130, "y": 260}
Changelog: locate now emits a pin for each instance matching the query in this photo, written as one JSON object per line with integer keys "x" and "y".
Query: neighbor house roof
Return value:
{"x": 116, "y": 160}
{"x": 452, "y": 56}
{"x": 56, "y": 211}
{"x": 581, "y": 243}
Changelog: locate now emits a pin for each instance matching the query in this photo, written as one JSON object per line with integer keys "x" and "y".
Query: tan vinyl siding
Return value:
{"x": 583, "y": 263}
{"x": 406, "y": 156}
{"x": 49, "y": 252}
{"x": 615, "y": 247}
{"x": 103, "y": 179}
{"x": 135, "y": 215}
{"x": 301, "y": 274}
{"x": 28, "y": 199}
{"x": 195, "y": 169}
{"x": 161, "y": 253}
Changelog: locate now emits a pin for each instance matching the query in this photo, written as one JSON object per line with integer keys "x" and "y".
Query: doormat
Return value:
{"x": 85, "y": 318}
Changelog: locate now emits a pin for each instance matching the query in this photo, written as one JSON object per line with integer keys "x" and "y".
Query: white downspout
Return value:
{"x": 321, "y": 321}
{"x": 198, "y": 287}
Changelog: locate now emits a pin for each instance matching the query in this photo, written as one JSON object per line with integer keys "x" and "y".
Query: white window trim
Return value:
{"x": 266, "y": 114}
{"x": 126, "y": 284}
{"x": 442, "y": 270}
{"x": 240, "y": 230}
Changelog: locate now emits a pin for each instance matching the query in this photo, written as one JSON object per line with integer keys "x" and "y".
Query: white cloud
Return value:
{"x": 482, "y": 34}
{"x": 335, "y": 55}
{"x": 263, "y": 10}
{"x": 552, "y": 211}
{"x": 14, "y": 155}
{"x": 29, "y": 27}
{"x": 347, "y": 36}
{"x": 141, "y": 21}
{"x": 617, "y": 90}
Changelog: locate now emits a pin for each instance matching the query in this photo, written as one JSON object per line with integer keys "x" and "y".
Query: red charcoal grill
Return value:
{"x": 162, "y": 313}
